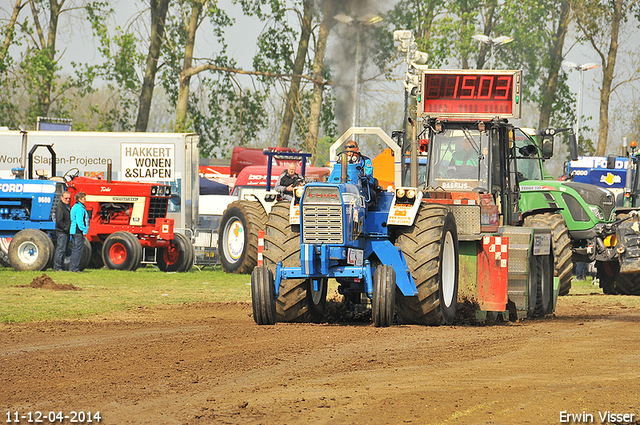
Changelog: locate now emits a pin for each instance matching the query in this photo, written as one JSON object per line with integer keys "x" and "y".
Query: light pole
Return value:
{"x": 359, "y": 21}
{"x": 581, "y": 68}
{"x": 415, "y": 60}
{"x": 498, "y": 41}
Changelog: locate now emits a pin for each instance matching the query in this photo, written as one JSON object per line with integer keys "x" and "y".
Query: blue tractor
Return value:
{"x": 345, "y": 235}
{"x": 27, "y": 207}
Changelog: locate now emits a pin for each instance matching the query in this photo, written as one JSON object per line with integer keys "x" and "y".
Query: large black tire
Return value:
{"x": 627, "y": 284}
{"x": 297, "y": 300}
{"x": 122, "y": 251}
{"x": 606, "y": 274}
{"x": 178, "y": 257}
{"x": 52, "y": 248}
{"x": 87, "y": 254}
{"x": 560, "y": 245}
{"x": 383, "y": 303}
{"x": 533, "y": 278}
{"x": 30, "y": 249}
{"x": 430, "y": 247}
{"x": 85, "y": 259}
{"x": 238, "y": 236}
{"x": 544, "y": 300}
{"x": 263, "y": 296}
{"x": 96, "y": 256}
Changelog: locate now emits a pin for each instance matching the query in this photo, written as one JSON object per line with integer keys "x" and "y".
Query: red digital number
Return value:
{"x": 486, "y": 87}
{"x": 503, "y": 88}
{"x": 468, "y": 90}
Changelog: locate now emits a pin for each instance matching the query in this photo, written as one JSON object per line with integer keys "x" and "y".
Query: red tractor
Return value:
{"x": 126, "y": 217}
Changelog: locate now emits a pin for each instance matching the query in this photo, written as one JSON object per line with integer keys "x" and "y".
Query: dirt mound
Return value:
{"x": 45, "y": 282}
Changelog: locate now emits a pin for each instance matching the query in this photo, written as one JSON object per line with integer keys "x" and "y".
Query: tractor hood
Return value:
{"x": 594, "y": 195}
{"x": 582, "y": 200}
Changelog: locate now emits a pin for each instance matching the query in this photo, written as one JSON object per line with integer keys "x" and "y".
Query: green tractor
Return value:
{"x": 581, "y": 216}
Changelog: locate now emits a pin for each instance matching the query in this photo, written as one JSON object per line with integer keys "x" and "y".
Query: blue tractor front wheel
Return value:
{"x": 383, "y": 303}
{"x": 263, "y": 296}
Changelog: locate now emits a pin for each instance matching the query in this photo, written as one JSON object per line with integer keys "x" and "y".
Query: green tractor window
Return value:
{"x": 528, "y": 161}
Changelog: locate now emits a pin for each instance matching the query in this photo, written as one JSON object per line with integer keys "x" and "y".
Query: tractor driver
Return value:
{"x": 287, "y": 181}
{"x": 355, "y": 157}
{"x": 464, "y": 162}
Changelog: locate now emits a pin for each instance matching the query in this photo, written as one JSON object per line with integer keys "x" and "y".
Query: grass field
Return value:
{"x": 105, "y": 291}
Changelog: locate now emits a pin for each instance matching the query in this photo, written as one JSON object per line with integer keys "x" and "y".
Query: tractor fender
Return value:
{"x": 266, "y": 199}
{"x": 535, "y": 211}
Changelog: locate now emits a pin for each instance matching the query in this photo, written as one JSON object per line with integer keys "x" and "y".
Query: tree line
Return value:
{"x": 300, "y": 87}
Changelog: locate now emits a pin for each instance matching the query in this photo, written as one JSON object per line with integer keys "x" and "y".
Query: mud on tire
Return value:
{"x": 430, "y": 247}
{"x": 240, "y": 254}
{"x": 560, "y": 244}
{"x": 297, "y": 301}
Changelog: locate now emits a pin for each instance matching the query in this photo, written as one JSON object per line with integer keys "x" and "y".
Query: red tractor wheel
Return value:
{"x": 178, "y": 256}
{"x": 122, "y": 251}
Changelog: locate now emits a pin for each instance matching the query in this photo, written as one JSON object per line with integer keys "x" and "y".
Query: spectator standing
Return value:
{"x": 63, "y": 225}
{"x": 79, "y": 228}
{"x": 287, "y": 181}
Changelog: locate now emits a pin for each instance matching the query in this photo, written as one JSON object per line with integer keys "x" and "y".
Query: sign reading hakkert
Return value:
{"x": 144, "y": 162}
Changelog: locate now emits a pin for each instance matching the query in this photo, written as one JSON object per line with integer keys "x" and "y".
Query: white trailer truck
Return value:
{"x": 171, "y": 158}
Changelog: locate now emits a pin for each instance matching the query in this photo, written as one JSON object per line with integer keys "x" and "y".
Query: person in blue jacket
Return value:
{"x": 79, "y": 228}
{"x": 366, "y": 164}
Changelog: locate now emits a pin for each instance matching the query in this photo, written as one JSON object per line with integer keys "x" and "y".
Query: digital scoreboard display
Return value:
{"x": 470, "y": 93}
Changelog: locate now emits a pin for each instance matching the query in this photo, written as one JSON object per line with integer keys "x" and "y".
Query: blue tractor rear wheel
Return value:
{"x": 430, "y": 247}
{"x": 30, "y": 249}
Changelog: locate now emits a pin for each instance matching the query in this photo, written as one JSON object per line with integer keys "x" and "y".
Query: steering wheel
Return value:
{"x": 71, "y": 174}
{"x": 355, "y": 157}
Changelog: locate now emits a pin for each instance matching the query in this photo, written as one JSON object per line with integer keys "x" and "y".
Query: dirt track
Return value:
{"x": 210, "y": 363}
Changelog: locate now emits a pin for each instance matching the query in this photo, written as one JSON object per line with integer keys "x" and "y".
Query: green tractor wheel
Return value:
{"x": 560, "y": 244}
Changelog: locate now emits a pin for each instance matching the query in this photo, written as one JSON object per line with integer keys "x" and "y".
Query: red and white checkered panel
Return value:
{"x": 499, "y": 246}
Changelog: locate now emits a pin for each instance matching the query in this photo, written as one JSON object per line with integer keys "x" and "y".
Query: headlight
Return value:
{"x": 411, "y": 193}
{"x": 597, "y": 212}
{"x": 167, "y": 190}
{"x": 298, "y": 191}
{"x": 400, "y": 193}
{"x": 154, "y": 190}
